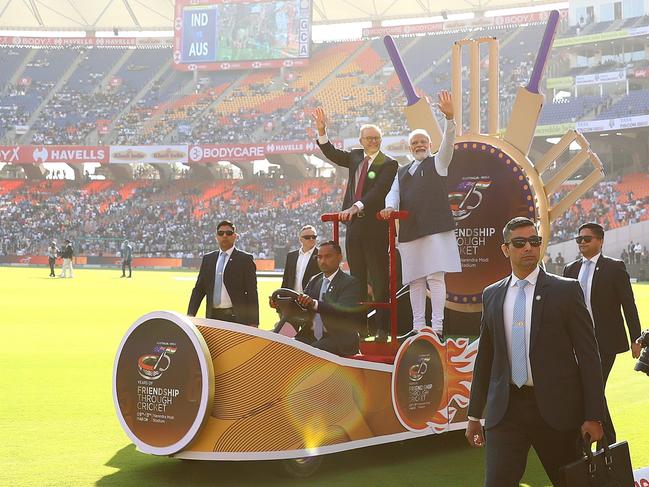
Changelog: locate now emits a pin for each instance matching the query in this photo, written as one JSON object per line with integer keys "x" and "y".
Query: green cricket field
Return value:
{"x": 59, "y": 426}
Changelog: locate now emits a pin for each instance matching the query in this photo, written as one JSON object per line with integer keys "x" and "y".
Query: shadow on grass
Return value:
{"x": 443, "y": 460}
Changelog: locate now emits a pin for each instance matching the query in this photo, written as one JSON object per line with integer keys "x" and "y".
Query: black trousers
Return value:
{"x": 125, "y": 264}
{"x": 607, "y": 361}
{"x": 367, "y": 255}
{"x": 51, "y": 261}
{"x": 343, "y": 346}
{"x": 508, "y": 443}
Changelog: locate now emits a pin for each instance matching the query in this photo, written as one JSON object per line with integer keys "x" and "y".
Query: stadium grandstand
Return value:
{"x": 239, "y": 143}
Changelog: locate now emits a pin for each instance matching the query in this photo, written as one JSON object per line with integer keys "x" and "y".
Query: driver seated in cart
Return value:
{"x": 331, "y": 299}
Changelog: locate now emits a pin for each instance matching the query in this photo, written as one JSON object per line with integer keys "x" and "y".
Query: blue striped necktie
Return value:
{"x": 519, "y": 347}
{"x": 584, "y": 277}
{"x": 218, "y": 279}
{"x": 318, "y": 325}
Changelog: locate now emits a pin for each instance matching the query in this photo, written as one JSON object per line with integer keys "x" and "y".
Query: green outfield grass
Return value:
{"x": 59, "y": 428}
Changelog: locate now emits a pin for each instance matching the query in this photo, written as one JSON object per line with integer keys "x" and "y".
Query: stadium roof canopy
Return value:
{"x": 158, "y": 14}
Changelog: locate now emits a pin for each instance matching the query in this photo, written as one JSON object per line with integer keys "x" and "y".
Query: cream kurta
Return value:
{"x": 431, "y": 253}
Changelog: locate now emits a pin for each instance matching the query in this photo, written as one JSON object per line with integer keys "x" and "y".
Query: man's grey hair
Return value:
{"x": 416, "y": 132}
{"x": 369, "y": 126}
{"x": 307, "y": 227}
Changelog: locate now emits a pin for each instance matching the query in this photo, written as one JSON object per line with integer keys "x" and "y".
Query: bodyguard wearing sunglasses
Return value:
{"x": 607, "y": 289}
{"x": 228, "y": 277}
{"x": 537, "y": 378}
{"x": 302, "y": 264}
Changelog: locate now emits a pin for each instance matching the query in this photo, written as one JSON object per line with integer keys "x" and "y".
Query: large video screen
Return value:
{"x": 241, "y": 34}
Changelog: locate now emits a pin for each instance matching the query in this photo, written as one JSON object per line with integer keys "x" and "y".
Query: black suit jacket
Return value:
{"x": 563, "y": 355}
{"x": 288, "y": 280}
{"x": 610, "y": 293}
{"x": 342, "y": 316}
{"x": 375, "y": 188}
{"x": 240, "y": 280}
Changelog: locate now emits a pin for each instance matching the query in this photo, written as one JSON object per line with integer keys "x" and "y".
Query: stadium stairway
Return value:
{"x": 25, "y": 139}
{"x": 133, "y": 103}
{"x": 320, "y": 82}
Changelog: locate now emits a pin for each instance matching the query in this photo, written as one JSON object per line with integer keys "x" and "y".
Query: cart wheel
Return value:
{"x": 300, "y": 468}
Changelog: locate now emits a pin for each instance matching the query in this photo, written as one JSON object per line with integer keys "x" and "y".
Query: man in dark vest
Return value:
{"x": 427, "y": 240}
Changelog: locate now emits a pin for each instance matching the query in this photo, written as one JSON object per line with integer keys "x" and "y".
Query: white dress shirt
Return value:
{"x": 591, "y": 273}
{"x": 300, "y": 268}
{"x": 323, "y": 139}
{"x": 508, "y": 316}
{"x": 331, "y": 278}
{"x": 226, "y": 301}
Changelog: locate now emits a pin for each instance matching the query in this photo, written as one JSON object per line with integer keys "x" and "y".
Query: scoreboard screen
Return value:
{"x": 241, "y": 34}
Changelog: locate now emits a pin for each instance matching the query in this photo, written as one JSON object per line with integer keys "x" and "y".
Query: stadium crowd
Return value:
{"x": 165, "y": 219}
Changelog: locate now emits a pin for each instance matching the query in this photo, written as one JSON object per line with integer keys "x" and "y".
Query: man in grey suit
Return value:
{"x": 537, "y": 377}
{"x": 334, "y": 297}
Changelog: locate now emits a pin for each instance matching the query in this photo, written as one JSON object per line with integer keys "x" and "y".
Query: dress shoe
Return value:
{"x": 411, "y": 333}
{"x": 381, "y": 336}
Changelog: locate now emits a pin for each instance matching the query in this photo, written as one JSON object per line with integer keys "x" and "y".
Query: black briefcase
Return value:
{"x": 609, "y": 467}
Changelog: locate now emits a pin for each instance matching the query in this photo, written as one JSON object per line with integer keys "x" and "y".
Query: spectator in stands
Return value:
{"x": 302, "y": 264}
{"x": 334, "y": 297}
{"x": 228, "y": 277}
{"x": 52, "y": 253}
{"x": 127, "y": 256}
{"x": 427, "y": 241}
{"x": 67, "y": 253}
{"x": 371, "y": 173}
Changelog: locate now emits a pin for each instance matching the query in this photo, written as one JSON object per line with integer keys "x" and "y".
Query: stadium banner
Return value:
{"x": 36, "y": 154}
{"x": 553, "y": 129}
{"x": 21, "y": 129}
{"x": 37, "y": 260}
{"x": 589, "y": 39}
{"x": 558, "y": 83}
{"x": 613, "y": 124}
{"x": 192, "y": 262}
{"x": 200, "y": 154}
{"x": 394, "y": 145}
{"x": 148, "y": 154}
{"x": 598, "y": 78}
{"x": 84, "y": 41}
{"x": 515, "y": 19}
{"x": 640, "y": 73}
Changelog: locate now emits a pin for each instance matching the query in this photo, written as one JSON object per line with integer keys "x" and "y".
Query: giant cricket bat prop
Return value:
{"x": 529, "y": 101}
{"x": 418, "y": 112}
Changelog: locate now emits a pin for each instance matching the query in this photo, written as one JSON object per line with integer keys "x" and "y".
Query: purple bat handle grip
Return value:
{"x": 544, "y": 52}
{"x": 404, "y": 77}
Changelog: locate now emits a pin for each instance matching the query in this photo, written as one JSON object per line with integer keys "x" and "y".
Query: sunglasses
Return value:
{"x": 221, "y": 233}
{"x": 309, "y": 237}
{"x": 371, "y": 139}
{"x": 519, "y": 242}
{"x": 585, "y": 238}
